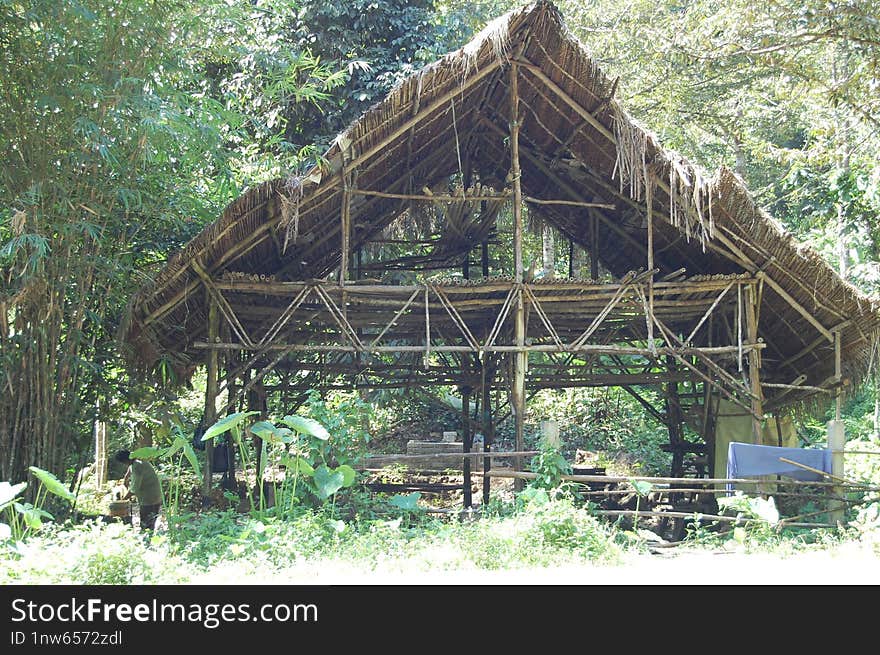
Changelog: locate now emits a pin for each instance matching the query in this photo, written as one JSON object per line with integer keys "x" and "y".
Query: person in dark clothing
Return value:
{"x": 144, "y": 484}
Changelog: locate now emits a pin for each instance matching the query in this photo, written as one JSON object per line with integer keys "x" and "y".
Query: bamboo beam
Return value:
{"x": 585, "y": 348}
{"x": 570, "y": 203}
{"x": 567, "y": 99}
{"x": 432, "y": 197}
{"x": 279, "y": 287}
{"x": 501, "y": 454}
{"x": 796, "y": 305}
{"x": 611, "y": 479}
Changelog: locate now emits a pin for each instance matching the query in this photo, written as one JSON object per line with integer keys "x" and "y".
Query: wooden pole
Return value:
{"x": 467, "y": 443}
{"x": 211, "y": 390}
{"x": 754, "y": 363}
{"x": 837, "y": 433}
{"x": 229, "y": 481}
{"x": 518, "y": 391}
{"x": 345, "y": 220}
{"x": 838, "y": 374}
{"x": 594, "y": 247}
{"x": 649, "y": 202}
{"x": 516, "y": 173}
{"x": 673, "y": 418}
{"x": 488, "y": 426}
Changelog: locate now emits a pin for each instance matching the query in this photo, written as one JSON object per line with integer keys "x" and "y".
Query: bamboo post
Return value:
{"x": 515, "y": 173}
{"x": 345, "y": 219}
{"x": 673, "y": 418}
{"x": 837, "y": 435}
{"x": 467, "y": 443}
{"x": 649, "y": 203}
{"x": 229, "y": 478}
{"x": 488, "y": 427}
{"x": 751, "y": 311}
{"x": 594, "y": 247}
{"x": 211, "y": 391}
{"x": 518, "y": 392}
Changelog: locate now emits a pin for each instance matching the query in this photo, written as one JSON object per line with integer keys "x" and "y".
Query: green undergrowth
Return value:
{"x": 229, "y": 548}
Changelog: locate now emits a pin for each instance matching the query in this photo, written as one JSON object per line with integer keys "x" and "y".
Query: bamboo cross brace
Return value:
{"x": 286, "y": 315}
{"x": 393, "y": 321}
{"x": 339, "y": 317}
{"x": 720, "y": 372}
{"x": 648, "y": 322}
{"x": 222, "y": 304}
{"x": 259, "y": 375}
{"x": 502, "y": 315}
{"x": 234, "y": 322}
{"x": 708, "y": 312}
{"x": 260, "y": 352}
{"x": 543, "y": 316}
{"x": 600, "y": 317}
{"x": 815, "y": 470}
{"x": 456, "y": 317}
{"x": 706, "y": 378}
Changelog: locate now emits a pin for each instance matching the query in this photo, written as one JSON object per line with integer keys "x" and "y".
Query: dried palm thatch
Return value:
{"x": 577, "y": 143}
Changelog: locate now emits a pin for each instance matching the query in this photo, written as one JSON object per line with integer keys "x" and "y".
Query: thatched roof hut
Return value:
{"x": 578, "y": 144}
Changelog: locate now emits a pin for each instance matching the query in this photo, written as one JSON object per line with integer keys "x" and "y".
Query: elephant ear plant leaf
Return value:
{"x": 227, "y": 424}
{"x": 408, "y": 504}
{"x": 149, "y": 452}
{"x": 28, "y": 517}
{"x": 307, "y": 426}
{"x": 232, "y": 424}
{"x": 51, "y": 483}
{"x": 328, "y": 481}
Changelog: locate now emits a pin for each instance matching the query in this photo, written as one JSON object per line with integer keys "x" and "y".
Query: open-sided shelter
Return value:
{"x": 690, "y": 286}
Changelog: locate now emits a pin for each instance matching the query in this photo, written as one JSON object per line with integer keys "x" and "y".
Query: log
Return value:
{"x": 427, "y": 198}
{"x": 496, "y": 473}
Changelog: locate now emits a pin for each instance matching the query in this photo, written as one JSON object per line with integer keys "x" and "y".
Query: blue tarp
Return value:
{"x": 745, "y": 460}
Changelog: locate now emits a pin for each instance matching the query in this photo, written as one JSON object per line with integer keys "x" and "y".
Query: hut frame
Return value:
{"x": 283, "y": 277}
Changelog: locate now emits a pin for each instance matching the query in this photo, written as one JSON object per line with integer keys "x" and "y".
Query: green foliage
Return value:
{"x": 226, "y": 424}
{"x": 51, "y": 484}
{"x": 312, "y": 461}
{"x": 307, "y": 426}
{"x": 27, "y": 518}
{"x": 549, "y": 465}
{"x": 126, "y": 128}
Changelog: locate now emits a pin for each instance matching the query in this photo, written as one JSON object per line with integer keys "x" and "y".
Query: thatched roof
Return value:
{"x": 576, "y": 142}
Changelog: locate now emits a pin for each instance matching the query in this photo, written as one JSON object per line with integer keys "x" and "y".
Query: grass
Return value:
{"x": 224, "y": 547}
